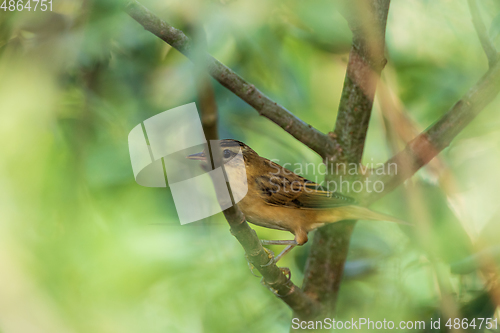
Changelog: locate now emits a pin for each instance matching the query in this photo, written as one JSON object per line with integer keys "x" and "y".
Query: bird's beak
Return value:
{"x": 197, "y": 156}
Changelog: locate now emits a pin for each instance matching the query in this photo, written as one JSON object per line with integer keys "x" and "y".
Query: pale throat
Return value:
{"x": 237, "y": 177}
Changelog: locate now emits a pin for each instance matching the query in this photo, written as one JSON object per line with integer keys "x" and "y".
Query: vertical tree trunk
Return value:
{"x": 330, "y": 245}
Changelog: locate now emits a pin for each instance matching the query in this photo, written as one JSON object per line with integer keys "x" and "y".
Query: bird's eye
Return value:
{"x": 226, "y": 153}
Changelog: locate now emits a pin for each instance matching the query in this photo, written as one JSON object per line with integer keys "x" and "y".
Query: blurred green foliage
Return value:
{"x": 83, "y": 248}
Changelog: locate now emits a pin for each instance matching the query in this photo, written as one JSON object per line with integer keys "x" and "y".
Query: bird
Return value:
{"x": 277, "y": 198}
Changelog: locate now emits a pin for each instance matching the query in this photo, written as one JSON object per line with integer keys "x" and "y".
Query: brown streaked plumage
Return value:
{"x": 280, "y": 199}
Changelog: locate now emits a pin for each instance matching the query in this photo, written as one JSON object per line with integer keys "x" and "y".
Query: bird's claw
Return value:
{"x": 287, "y": 272}
{"x": 270, "y": 255}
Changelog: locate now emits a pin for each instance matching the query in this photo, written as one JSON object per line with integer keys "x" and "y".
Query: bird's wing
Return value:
{"x": 314, "y": 196}
{"x": 287, "y": 189}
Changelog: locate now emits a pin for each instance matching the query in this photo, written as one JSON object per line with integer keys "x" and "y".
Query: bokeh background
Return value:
{"x": 83, "y": 248}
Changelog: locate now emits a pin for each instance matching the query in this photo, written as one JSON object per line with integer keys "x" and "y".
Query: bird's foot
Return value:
{"x": 287, "y": 272}
{"x": 290, "y": 245}
{"x": 272, "y": 260}
{"x": 251, "y": 266}
{"x": 270, "y": 255}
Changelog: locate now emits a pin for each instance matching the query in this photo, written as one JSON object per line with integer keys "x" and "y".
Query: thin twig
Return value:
{"x": 305, "y": 133}
{"x": 428, "y": 144}
{"x": 488, "y": 47}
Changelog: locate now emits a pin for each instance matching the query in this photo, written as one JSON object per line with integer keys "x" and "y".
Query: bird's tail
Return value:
{"x": 353, "y": 212}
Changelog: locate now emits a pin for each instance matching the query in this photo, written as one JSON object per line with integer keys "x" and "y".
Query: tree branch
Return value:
{"x": 488, "y": 47}
{"x": 330, "y": 246}
{"x": 274, "y": 278}
{"x": 428, "y": 144}
{"x": 366, "y": 61}
{"x": 208, "y": 107}
{"x": 311, "y": 137}
{"x": 302, "y": 305}
{"x": 206, "y": 97}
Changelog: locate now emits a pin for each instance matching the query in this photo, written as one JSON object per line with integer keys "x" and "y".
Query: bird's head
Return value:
{"x": 229, "y": 149}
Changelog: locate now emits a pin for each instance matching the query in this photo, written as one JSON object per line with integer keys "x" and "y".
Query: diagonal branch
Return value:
{"x": 488, "y": 47}
{"x": 274, "y": 278}
{"x": 428, "y": 144}
{"x": 303, "y": 306}
{"x": 311, "y": 137}
{"x": 330, "y": 246}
